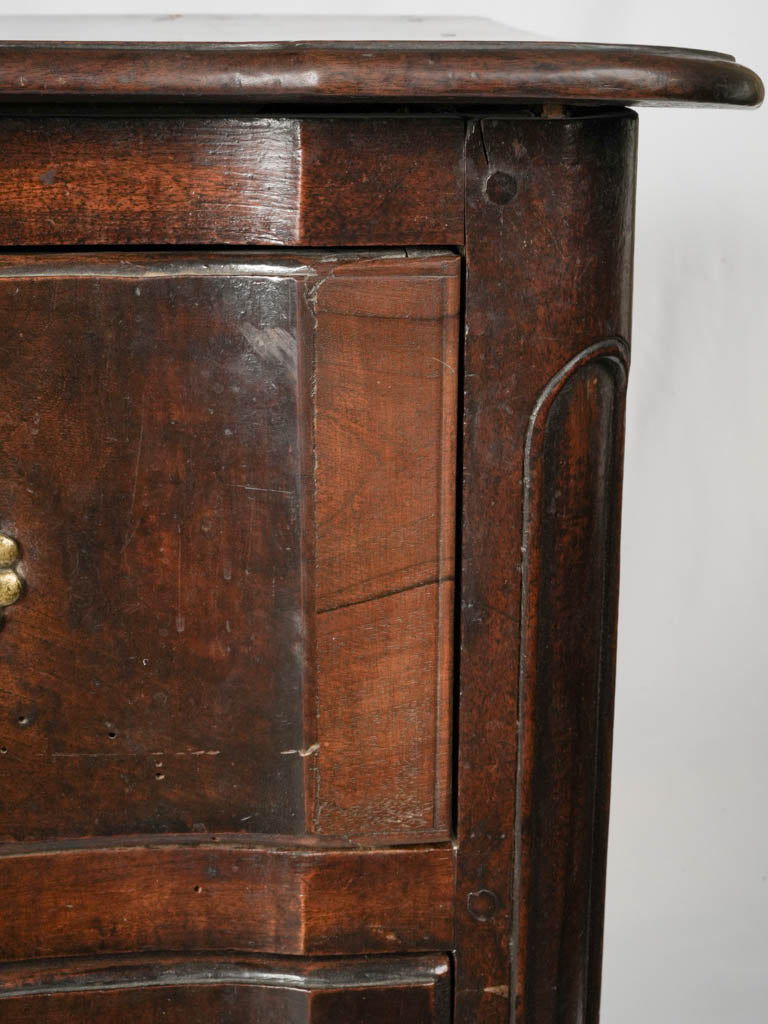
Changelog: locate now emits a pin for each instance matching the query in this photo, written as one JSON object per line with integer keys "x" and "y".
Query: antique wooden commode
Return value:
{"x": 315, "y": 358}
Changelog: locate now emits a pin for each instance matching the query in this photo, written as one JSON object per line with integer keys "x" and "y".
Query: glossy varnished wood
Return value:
{"x": 230, "y": 754}
{"x": 549, "y": 245}
{"x": 371, "y": 72}
{"x": 572, "y": 479}
{"x": 222, "y": 893}
{"x": 230, "y": 181}
{"x": 153, "y": 672}
{"x": 238, "y": 554}
{"x": 233, "y": 990}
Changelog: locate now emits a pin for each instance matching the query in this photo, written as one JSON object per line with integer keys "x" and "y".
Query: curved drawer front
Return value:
{"x": 229, "y": 991}
{"x": 231, "y": 483}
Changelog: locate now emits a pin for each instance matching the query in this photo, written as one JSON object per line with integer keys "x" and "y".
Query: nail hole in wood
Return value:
{"x": 501, "y": 188}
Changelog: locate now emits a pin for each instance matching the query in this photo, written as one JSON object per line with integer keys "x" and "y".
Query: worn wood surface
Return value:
{"x": 182, "y": 660}
{"x": 218, "y": 894}
{"x": 573, "y": 486}
{"x": 232, "y": 990}
{"x": 385, "y": 442}
{"x": 230, "y": 181}
{"x": 375, "y": 72}
{"x": 549, "y": 245}
{"x": 232, "y": 479}
{"x": 153, "y": 672}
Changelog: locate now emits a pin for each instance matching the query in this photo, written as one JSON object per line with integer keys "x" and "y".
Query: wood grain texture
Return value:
{"x": 572, "y": 474}
{"x": 230, "y": 181}
{"x": 232, "y": 990}
{"x": 385, "y": 443}
{"x": 161, "y": 673}
{"x": 160, "y": 894}
{"x": 151, "y": 470}
{"x": 549, "y": 247}
{"x": 370, "y": 72}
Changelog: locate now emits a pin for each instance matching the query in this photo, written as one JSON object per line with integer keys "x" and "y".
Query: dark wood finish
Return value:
{"x": 227, "y": 725}
{"x": 256, "y": 990}
{"x": 231, "y": 181}
{"x": 573, "y": 486}
{"x": 219, "y": 894}
{"x": 370, "y": 73}
{"x": 549, "y": 245}
{"x": 152, "y": 475}
{"x": 184, "y": 440}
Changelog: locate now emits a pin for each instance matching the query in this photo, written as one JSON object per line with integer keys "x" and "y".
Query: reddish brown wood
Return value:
{"x": 234, "y": 990}
{"x": 158, "y": 894}
{"x": 153, "y": 672}
{"x": 385, "y": 441}
{"x": 160, "y": 673}
{"x": 571, "y": 527}
{"x": 549, "y": 244}
{"x": 230, "y": 181}
{"x": 370, "y": 72}
{"x": 232, "y": 476}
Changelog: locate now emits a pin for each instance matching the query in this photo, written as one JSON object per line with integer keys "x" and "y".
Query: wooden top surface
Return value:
{"x": 314, "y": 61}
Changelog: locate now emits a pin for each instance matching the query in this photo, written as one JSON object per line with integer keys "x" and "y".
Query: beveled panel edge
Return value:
{"x": 434, "y": 311}
{"x": 83, "y": 974}
{"x": 146, "y": 895}
{"x": 375, "y": 72}
{"x": 259, "y": 261}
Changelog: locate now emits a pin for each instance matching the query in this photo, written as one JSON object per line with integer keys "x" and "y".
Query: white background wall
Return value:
{"x": 687, "y": 916}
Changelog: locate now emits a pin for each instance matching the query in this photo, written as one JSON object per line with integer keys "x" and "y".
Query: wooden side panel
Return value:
{"x": 573, "y": 481}
{"x": 385, "y": 455}
{"x": 216, "y": 894}
{"x": 549, "y": 257}
{"x": 255, "y": 990}
{"x": 230, "y": 181}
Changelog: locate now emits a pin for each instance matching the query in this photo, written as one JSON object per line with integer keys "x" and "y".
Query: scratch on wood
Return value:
{"x": 265, "y": 490}
{"x": 498, "y": 990}
{"x": 154, "y": 753}
{"x": 132, "y": 530}
{"x": 304, "y": 753}
{"x": 443, "y": 363}
{"x": 180, "y": 623}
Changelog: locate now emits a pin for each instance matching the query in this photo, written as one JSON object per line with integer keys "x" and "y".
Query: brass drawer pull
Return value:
{"x": 11, "y": 585}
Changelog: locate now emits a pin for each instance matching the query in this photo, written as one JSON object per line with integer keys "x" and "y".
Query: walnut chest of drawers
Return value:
{"x": 314, "y": 361}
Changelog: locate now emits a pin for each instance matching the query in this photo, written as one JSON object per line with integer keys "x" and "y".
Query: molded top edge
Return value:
{"x": 370, "y": 73}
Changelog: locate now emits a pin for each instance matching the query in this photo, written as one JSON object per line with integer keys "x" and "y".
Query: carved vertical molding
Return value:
{"x": 549, "y": 236}
{"x": 572, "y": 485}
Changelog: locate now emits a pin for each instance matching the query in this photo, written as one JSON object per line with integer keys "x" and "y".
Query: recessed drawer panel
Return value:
{"x": 230, "y": 480}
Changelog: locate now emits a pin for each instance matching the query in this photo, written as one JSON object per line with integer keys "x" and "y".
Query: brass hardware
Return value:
{"x": 9, "y": 552}
{"x": 10, "y": 587}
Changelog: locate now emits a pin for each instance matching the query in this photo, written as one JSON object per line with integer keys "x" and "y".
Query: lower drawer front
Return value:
{"x": 246, "y": 991}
